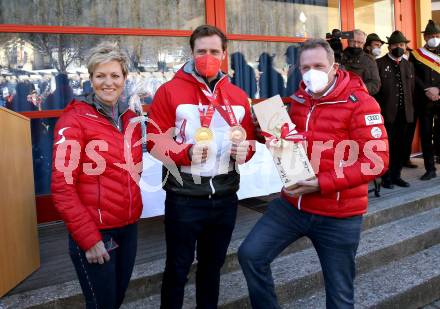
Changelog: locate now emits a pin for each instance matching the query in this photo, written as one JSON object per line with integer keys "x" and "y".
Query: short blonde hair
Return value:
{"x": 106, "y": 52}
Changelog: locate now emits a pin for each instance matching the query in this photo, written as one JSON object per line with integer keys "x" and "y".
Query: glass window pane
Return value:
{"x": 164, "y": 14}
{"x": 375, "y": 16}
{"x": 300, "y": 18}
{"x": 42, "y": 140}
{"x": 45, "y": 71}
{"x": 264, "y": 69}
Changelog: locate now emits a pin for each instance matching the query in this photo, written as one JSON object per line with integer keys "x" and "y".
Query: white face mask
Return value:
{"x": 376, "y": 52}
{"x": 434, "y": 42}
{"x": 316, "y": 80}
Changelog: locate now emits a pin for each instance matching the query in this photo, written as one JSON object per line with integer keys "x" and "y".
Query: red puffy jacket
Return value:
{"x": 92, "y": 189}
{"x": 347, "y": 113}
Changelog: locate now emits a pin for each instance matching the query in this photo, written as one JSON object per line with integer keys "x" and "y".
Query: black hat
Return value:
{"x": 373, "y": 37}
{"x": 397, "y": 37}
{"x": 432, "y": 28}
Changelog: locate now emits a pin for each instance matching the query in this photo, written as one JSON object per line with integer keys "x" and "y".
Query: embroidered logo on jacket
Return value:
{"x": 353, "y": 98}
{"x": 373, "y": 119}
{"x": 376, "y": 132}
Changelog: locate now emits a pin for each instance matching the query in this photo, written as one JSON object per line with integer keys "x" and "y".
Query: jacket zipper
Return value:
{"x": 119, "y": 118}
{"x": 207, "y": 87}
{"x": 99, "y": 199}
{"x": 99, "y": 182}
{"x": 308, "y": 117}
{"x": 129, "y": 192}
{"x": 307, "y": 129}
{"x": 312, "y": 108}
{"x": 215, "y": 86}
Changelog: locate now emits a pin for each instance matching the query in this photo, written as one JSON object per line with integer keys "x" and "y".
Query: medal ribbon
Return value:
{"x": 228, "y": 114}
{"x": 205, "y": 119}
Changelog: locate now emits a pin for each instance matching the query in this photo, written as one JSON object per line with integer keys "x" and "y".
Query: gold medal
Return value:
{"x": 237, "y": 134}
{"x": 203, "y": 135}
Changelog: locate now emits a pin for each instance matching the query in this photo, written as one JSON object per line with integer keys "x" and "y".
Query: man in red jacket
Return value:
{"x": 198, "y": 126}
{"x": 347, "y": 145}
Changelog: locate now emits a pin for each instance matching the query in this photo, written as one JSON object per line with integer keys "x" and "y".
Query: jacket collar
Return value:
{"x": 92, "y": 100}
{"x": 346, "y": 84}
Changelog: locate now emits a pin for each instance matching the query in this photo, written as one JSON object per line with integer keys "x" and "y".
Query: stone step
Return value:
{"x": 146, "y": 279}
{"x": 411, "y": 282}
{"x": 299, "y": 273}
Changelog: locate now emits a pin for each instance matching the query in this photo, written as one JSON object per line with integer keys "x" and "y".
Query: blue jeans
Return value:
{"x": 104, "y": 285}
{"x": 335, "y": 240}
{"x": 191, "y": 220}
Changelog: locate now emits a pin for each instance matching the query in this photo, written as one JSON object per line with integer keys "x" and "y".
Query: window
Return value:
{"x": 375, "y": 16}
{"x": 42, "y": 140}
{"x": 267, "y": 65}
{"x": 301, "y": 18}
{"x": 264, "y": 69}
{"x": 43, "y": 51}
{"x": 164, "y": 14}
{"x": 45, "y": 71}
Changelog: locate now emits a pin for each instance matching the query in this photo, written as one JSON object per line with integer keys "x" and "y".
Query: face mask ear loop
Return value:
{"x": 331, "y": 67}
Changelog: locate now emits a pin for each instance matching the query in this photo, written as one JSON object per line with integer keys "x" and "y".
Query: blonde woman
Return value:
{"x": 93, "y": 188}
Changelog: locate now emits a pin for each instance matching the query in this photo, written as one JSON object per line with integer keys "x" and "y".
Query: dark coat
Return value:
{"x": 364, "y": 66}
{"x": 388, "y": 95}
{"x": 425, "y": 78}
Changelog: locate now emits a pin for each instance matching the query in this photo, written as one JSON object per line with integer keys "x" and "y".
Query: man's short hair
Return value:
{"x": 207, "y": 30}
{"x": 360, "y": 32}
{"x": 316, "y": 43}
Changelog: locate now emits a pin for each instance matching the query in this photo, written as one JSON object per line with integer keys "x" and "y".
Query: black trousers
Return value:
{"x": 104, "y": 285}
{"x": 397, "y": 137}
{"x": 409, "y": 139}
{"x": 427, "y": 136}
{"x": 207, "y": 222}
{"x": 436, "y": 128}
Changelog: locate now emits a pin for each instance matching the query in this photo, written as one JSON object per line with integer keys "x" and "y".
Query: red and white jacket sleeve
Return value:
{"x": 160, "y": 132}
{"x": 66, "y": 167}
{"x": 373, "y": 156}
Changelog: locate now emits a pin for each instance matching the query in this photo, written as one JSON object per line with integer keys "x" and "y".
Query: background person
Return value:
{"x": 373, "y": 45}
{"x": 427, "y": 71}
{"x": 355, "y": 60}
{"x": 396, "y": 101}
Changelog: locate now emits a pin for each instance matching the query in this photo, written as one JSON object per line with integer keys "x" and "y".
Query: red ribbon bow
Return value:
{"x": 286, "y": 133}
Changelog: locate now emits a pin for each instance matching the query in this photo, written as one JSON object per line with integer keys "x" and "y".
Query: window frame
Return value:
{"x": 215, "y": 14}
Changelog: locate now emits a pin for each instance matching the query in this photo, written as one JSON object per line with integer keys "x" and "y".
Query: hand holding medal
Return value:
{"x": 239, "y": 151}
{"x": 199, "y": 153}
{"x": 239, "y": 148}
{"x": 237, "y": 134}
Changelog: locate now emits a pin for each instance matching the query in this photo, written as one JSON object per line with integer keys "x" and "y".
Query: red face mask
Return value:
{"x": 207, "y": 65}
